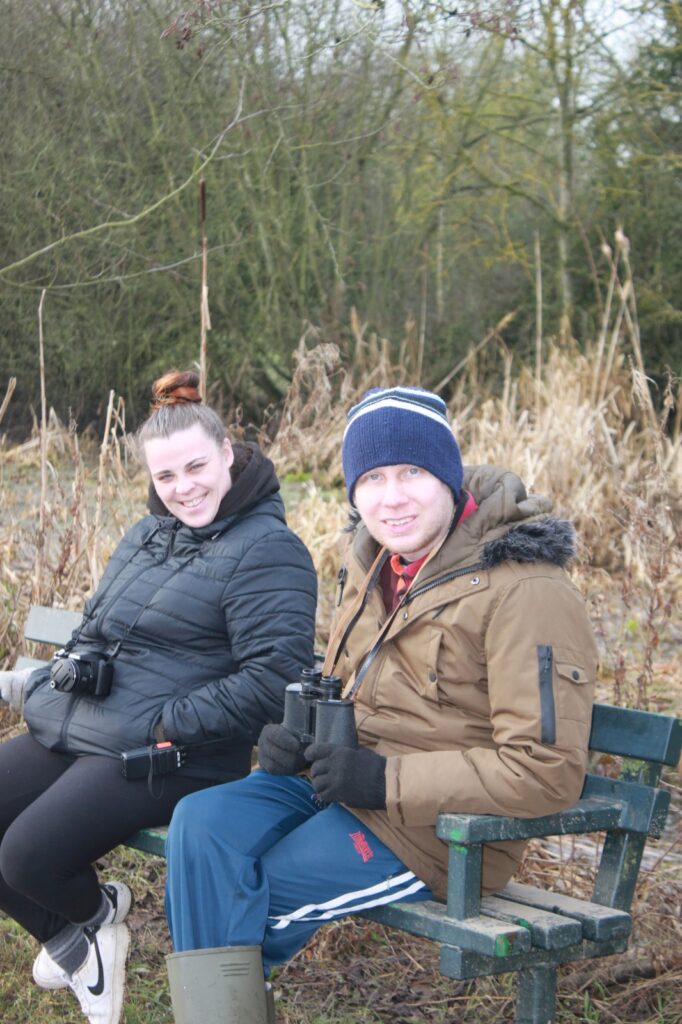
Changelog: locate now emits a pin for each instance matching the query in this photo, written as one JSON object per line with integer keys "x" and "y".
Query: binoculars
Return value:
{"x": 315, "y": 711}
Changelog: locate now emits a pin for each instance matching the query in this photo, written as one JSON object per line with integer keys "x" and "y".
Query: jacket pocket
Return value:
{"x": 574, "y": 687}
{"x": 545, "y": 654}
{"x": 417, "y": 669}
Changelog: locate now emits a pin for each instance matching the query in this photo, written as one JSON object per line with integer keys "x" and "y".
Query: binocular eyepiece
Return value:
{"x": 315, "y": 711}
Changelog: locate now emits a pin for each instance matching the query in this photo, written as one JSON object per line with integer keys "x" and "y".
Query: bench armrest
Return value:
{"x": 588, "y": 815}
{"x": 606, "y": 804}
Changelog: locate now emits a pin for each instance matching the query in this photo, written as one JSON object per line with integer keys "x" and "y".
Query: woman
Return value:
{"x": 204, "y": 614}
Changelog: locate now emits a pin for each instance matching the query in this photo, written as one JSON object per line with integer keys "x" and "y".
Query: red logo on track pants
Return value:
{"x": 361, "y": 845}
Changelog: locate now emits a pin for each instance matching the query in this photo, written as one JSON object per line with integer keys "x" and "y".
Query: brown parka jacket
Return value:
{"x": 480, "y": 693}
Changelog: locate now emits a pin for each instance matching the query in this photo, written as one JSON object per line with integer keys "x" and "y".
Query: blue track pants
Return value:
{"x": 258, "y": 862}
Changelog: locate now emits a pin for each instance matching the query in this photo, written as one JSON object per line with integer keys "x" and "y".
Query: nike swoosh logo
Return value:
{"x": 98, "y": 987}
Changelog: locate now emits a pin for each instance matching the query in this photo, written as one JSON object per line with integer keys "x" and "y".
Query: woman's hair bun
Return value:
{"x": 177, "y": 387}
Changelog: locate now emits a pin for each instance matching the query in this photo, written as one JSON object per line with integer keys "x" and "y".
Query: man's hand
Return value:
{"x": 12, "y": 686}
{"x": 280, "y": 751}
{"x": 353, "y": 776}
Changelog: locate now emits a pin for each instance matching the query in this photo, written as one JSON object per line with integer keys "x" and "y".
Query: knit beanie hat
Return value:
{"x": 392, "y": 426}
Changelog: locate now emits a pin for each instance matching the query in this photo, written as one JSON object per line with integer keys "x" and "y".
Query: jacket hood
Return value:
{"x": 512, "y": 525}
{"x": 550, "y": 540}
{"x": 253, "y": 479}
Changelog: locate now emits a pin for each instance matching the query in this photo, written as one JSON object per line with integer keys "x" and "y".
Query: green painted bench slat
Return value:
{"x": 598, "y": 922}
{"x": 606, "y": 804}
{"x": 547, "y": 930}
{"x": 643, "y": 735}
{"x": 24, "y": 662}
{"x": 589, "y": 815}
{"x": 149, "y": 840}
{"x": 462, "y": 964}
{"x": 51, "y": 625}
{"x": 644, "y": 809}
{"x": 430, "y": 920}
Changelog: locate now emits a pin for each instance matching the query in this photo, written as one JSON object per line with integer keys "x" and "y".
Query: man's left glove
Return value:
{"x": 12, "y": 686}
{"x": 353, "y": 776}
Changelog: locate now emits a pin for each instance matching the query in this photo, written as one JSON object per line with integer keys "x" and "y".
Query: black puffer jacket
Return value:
{"x": 212, "y": 624}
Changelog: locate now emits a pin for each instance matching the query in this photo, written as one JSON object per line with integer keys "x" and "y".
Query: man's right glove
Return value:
{"x": 349, "y": 775}
{"x": 280, "y": 751}
{"x": 12, "y": 686}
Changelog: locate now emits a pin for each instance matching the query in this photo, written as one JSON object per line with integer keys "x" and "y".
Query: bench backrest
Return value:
{"x": 52, "y": 626}
{"x": 643, "y": 735}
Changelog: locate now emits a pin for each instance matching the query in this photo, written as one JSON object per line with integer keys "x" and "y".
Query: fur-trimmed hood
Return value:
{"x": 547, "y": 540}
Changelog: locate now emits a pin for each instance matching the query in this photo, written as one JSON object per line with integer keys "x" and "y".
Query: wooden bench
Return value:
{"x": 523, "y": 929}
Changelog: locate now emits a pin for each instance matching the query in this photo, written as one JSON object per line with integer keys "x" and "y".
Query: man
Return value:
{"x": 470, "y": 659}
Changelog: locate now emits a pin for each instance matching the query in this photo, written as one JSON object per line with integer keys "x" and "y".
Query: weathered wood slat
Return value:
{"x": 456, "y": 962}
{"x": 598, "y": 923}
{"x": 547, "y": 930}
{"x": 644, "y": 735}
{"x": 24, "y": 662}
{"x": 477, "y": 934}
{"x": 644, "y": 809}
{"x": 149, "y": 840}
{"x": 51, "y": 625}
{"x": 593, "y": 814}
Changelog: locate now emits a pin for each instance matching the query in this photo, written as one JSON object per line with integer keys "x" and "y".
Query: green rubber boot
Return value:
{"x": 219, "y": 986}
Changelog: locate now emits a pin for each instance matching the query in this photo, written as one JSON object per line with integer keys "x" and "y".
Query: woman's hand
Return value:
{"x": 12, "y": 686}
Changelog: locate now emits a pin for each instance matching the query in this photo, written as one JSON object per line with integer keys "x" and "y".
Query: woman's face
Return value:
{"x": 191, "y": 473}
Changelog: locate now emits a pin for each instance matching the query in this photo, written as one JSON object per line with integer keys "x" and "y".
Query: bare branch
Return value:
{"x": 128, "y": 222}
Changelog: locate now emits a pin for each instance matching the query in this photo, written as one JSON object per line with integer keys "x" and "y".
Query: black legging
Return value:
{"x": 58, "y": 814}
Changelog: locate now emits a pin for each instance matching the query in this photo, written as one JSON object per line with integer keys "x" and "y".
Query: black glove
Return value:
{"x": 280, "y": 751}
{"x": 353, "y": 776}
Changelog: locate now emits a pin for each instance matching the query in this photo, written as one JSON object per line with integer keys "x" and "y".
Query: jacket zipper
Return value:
{"x": 547, "y": 713}
{"x": 66, "y": 722}
{"x": 171, "y": 540}
{"x": 341, "y": 583}
{"x": 411, "y": 594}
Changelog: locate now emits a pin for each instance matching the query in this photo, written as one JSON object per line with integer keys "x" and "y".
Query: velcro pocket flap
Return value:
{"x": 573, "y": 672}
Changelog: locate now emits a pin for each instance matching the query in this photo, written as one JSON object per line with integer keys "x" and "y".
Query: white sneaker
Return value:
{"x": 99, "y": 984}
{"x": 48, "y": 974}
{"x": 120, "y": 897}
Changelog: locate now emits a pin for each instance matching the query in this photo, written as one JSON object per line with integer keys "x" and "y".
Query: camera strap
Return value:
{"x": 347, "y": 622}
{"x": 353, "y": 687}
{"x": 97, "y": 606}
{"x": 97, "y": 598}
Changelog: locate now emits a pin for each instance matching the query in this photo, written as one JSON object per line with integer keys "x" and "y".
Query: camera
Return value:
{"x": 82, "y": 672}
{"x": 315, "y": 711}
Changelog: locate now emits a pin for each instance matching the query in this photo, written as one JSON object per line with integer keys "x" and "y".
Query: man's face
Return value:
{"x": 405, "y": 508}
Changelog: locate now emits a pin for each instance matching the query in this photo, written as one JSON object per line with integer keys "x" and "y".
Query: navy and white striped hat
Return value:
{"x": 392, "y": 426}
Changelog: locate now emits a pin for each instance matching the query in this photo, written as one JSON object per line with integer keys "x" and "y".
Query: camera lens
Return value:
{"x": 64, "y": 674}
